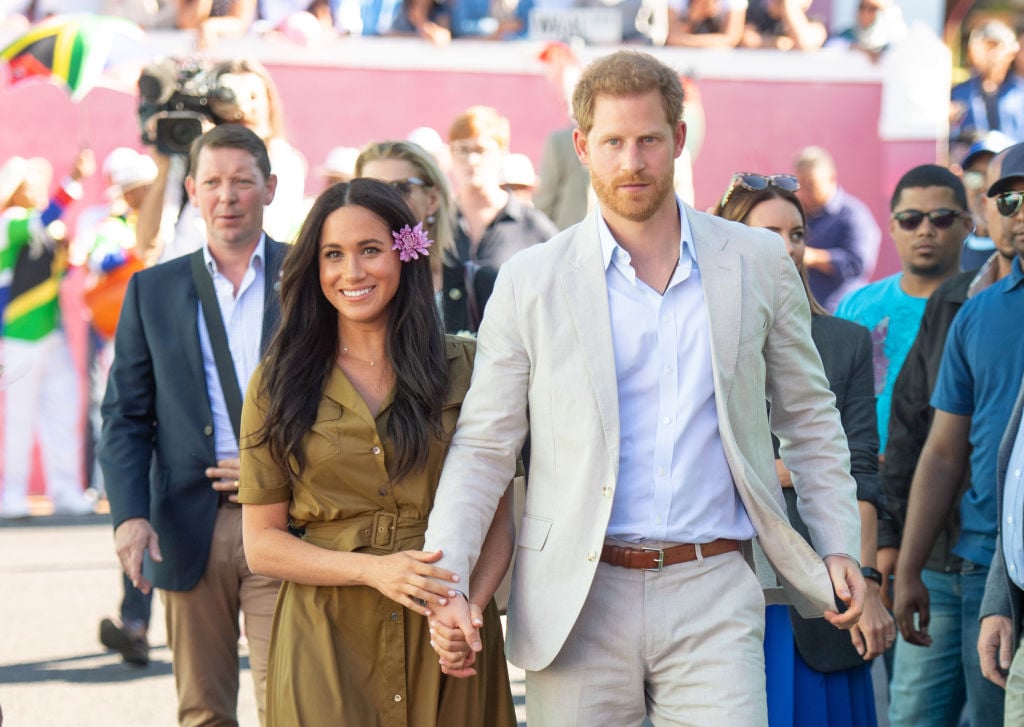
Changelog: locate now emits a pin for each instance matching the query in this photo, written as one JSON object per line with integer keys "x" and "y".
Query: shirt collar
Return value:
{"x": 611, "y": 250}
{"x": 257, "y": 255}
{"x": 1016, "y": 276}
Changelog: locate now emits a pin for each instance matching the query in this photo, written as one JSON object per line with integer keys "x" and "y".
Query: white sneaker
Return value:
{"x": 14, "y": 513}
{"x": 79, "y": 506}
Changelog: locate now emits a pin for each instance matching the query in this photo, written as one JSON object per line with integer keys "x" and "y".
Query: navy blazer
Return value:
{"x": 157, "y": 423}
{"x": 1002, "y": 596}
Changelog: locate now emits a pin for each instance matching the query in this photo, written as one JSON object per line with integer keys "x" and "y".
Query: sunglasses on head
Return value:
{"x": 943, "y": 218}
{"x": 1008, "y": 203}
{"x": 759, "y": 182}
{"x": 404, "y": 186}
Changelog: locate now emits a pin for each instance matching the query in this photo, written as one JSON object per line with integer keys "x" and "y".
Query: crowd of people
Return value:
{"x": 777, "y": 24}
{"x": 750, "y": 471}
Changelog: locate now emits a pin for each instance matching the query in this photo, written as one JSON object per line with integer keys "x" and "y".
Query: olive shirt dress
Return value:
{"x": 347, "y": 655}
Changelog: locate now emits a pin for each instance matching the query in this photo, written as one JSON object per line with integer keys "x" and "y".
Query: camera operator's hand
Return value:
{"x": 84, "y": 166}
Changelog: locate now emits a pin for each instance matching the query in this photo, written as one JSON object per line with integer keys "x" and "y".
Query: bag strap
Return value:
{"x": 218, "y": 340}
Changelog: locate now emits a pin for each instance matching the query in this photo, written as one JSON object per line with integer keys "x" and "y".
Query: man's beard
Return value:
{"x": 636, "y": 207}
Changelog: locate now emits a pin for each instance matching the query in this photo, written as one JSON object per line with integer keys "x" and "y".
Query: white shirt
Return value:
{"x": 674, "y": 482}
{"x": 243, "y": 324}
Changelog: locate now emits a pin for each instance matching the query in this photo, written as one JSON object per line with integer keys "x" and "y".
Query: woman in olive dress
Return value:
{"x": 344, "y": 429}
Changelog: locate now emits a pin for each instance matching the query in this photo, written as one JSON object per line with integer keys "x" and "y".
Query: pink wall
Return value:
{"x": 755, "y": 124}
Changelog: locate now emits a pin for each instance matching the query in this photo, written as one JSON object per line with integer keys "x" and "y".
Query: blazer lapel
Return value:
{"x": 272, "y": 295}
{"x": 722, "y": 284}
{"x": 188, "y": 321}
{"x": 583, "y": 279}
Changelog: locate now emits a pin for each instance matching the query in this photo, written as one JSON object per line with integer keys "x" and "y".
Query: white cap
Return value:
{"x": 341, "y": 161}
{"x": 127, "y": 168}
{"x": 17, "y": 170}
{"x": 518, "y": 169}
{"x": 426, "y": 137}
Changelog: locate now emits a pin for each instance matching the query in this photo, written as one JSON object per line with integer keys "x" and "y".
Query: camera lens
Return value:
{"x": 176, "y": 132}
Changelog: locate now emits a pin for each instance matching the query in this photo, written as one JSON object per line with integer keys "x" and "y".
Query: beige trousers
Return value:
{"x": 203, "y": 630}
{"x": 1013, "y": 714}
{"x": 683, "y": 646}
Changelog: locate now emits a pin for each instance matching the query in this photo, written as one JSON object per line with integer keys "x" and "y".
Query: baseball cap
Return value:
{"x": 992, "y": 142}
{"x": 517, "y": 170}
{"x": 1013, "y": 169}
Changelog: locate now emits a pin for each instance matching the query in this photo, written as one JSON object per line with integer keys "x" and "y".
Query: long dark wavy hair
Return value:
{"x": 302, "y": 353}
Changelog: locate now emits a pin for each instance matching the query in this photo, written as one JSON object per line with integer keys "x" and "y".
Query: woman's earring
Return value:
{"x": 431, "y": 219}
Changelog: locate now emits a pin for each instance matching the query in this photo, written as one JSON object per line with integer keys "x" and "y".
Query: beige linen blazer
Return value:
{"x": 545, "y": 364}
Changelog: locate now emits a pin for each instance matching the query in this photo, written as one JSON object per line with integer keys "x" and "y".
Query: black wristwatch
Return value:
{"x": 871, "y": 574}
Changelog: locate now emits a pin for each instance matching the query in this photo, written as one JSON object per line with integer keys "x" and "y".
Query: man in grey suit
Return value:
{"x": 1002, "y": 608}
{"x": 638, "y": 348}
{"x": 169, "y": 450}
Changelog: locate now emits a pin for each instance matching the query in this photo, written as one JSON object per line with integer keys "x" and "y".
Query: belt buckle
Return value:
{"x": 659, "y": 561}
{"x": 383, "y": 534}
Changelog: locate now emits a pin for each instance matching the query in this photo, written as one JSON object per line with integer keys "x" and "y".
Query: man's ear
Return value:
{"x": 579, "y": 143}
{"x": 190, "y": 188}
{"x": 270, "y": 190}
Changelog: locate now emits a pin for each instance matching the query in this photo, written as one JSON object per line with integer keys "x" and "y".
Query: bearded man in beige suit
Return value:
{"x": 638, "y": 349}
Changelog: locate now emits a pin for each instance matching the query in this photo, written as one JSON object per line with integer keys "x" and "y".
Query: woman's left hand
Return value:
{"x": 876, "y": 630}
{"x": 457, "y": 658}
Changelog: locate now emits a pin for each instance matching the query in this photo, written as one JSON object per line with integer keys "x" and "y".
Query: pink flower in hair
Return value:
{"x": 411, "y": 242}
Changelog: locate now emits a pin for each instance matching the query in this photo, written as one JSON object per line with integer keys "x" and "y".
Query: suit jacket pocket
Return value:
{"x": 533, "y": 532}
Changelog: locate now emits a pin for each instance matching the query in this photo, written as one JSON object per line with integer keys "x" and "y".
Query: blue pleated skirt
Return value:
{"x": 798, "y": 696}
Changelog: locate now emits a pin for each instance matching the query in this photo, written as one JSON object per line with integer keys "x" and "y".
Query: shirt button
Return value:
{"x": 1009, "y": 519}
{"x": 382, "y": 491}
{"x": 376, "y": 450}
{"x": 661, "y": 472}
{"x": 658, "y": 520}
{"x": 591, "y": 556}
{"x": 207, "y": 430}
{"x": 666, "y": 420}
{"x": 398, "y": 697}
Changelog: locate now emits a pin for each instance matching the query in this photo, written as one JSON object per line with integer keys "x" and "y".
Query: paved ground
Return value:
{"x": 58, "y": 577}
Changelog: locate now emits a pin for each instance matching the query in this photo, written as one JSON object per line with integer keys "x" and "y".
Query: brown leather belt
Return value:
{"x": 657, "y": 558}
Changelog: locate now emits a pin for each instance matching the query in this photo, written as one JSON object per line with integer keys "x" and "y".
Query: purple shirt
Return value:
{"x": 846, "y": 228}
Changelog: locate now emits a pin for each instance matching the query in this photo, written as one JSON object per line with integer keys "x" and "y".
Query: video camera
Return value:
{"x": 182, "y": 94}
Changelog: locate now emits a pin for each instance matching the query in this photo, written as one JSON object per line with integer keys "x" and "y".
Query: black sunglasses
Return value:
{"x": 758, "y": 182}
{"x": 404, "y": 186}
{"x": 943, "y": 218}
{"x": 1008, "y": 203}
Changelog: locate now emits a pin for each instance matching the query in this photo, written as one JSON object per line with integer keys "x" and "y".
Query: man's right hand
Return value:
{"x": 912, "y": 598}
{"x": 132, "y": 539}
{"x": 995, "y": 649}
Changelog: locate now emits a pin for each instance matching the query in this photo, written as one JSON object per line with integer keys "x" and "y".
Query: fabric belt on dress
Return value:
{"x": 655, "y": 559}
{"x": 381, "y": 530}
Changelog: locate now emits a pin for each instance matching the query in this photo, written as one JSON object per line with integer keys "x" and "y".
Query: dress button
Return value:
{"x": 207, "y": 430}
{"x": 376, "y": 450}
{"x": 394, "y": 616}
{"x": 382, "y": 491}
{"x": 591, "y": 556}
{"x": 398, "y": 697}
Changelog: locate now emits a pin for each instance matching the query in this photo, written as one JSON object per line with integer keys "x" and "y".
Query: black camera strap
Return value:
{"x": 218, "y": 340}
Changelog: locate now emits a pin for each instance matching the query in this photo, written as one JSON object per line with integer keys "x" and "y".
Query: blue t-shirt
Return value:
{"x": 893, "y": 318}
{"x": 979, "y": 377}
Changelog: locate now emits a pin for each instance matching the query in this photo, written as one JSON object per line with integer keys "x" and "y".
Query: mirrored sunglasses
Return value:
{"x": 942, "y": 219}
{"x": 758, "y": 182}
{"x": 1008, "y": 203}
{"x": 405, "y": 186}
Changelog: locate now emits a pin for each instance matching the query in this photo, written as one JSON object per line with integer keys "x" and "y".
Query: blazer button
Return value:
{"x": 208, "y": 430}
{"x": 592, "y": 556}
{"x": 607, "y": 492}
{"x": 455, "y": 294}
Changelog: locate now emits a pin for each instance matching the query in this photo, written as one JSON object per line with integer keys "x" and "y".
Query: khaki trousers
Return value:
{"x": 683, "y": 646}
{"x": 1013, "y": 714}
{"x": 203, "y": 630}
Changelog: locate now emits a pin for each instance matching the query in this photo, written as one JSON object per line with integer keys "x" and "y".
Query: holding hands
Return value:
{"x": 455, "y": 636}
